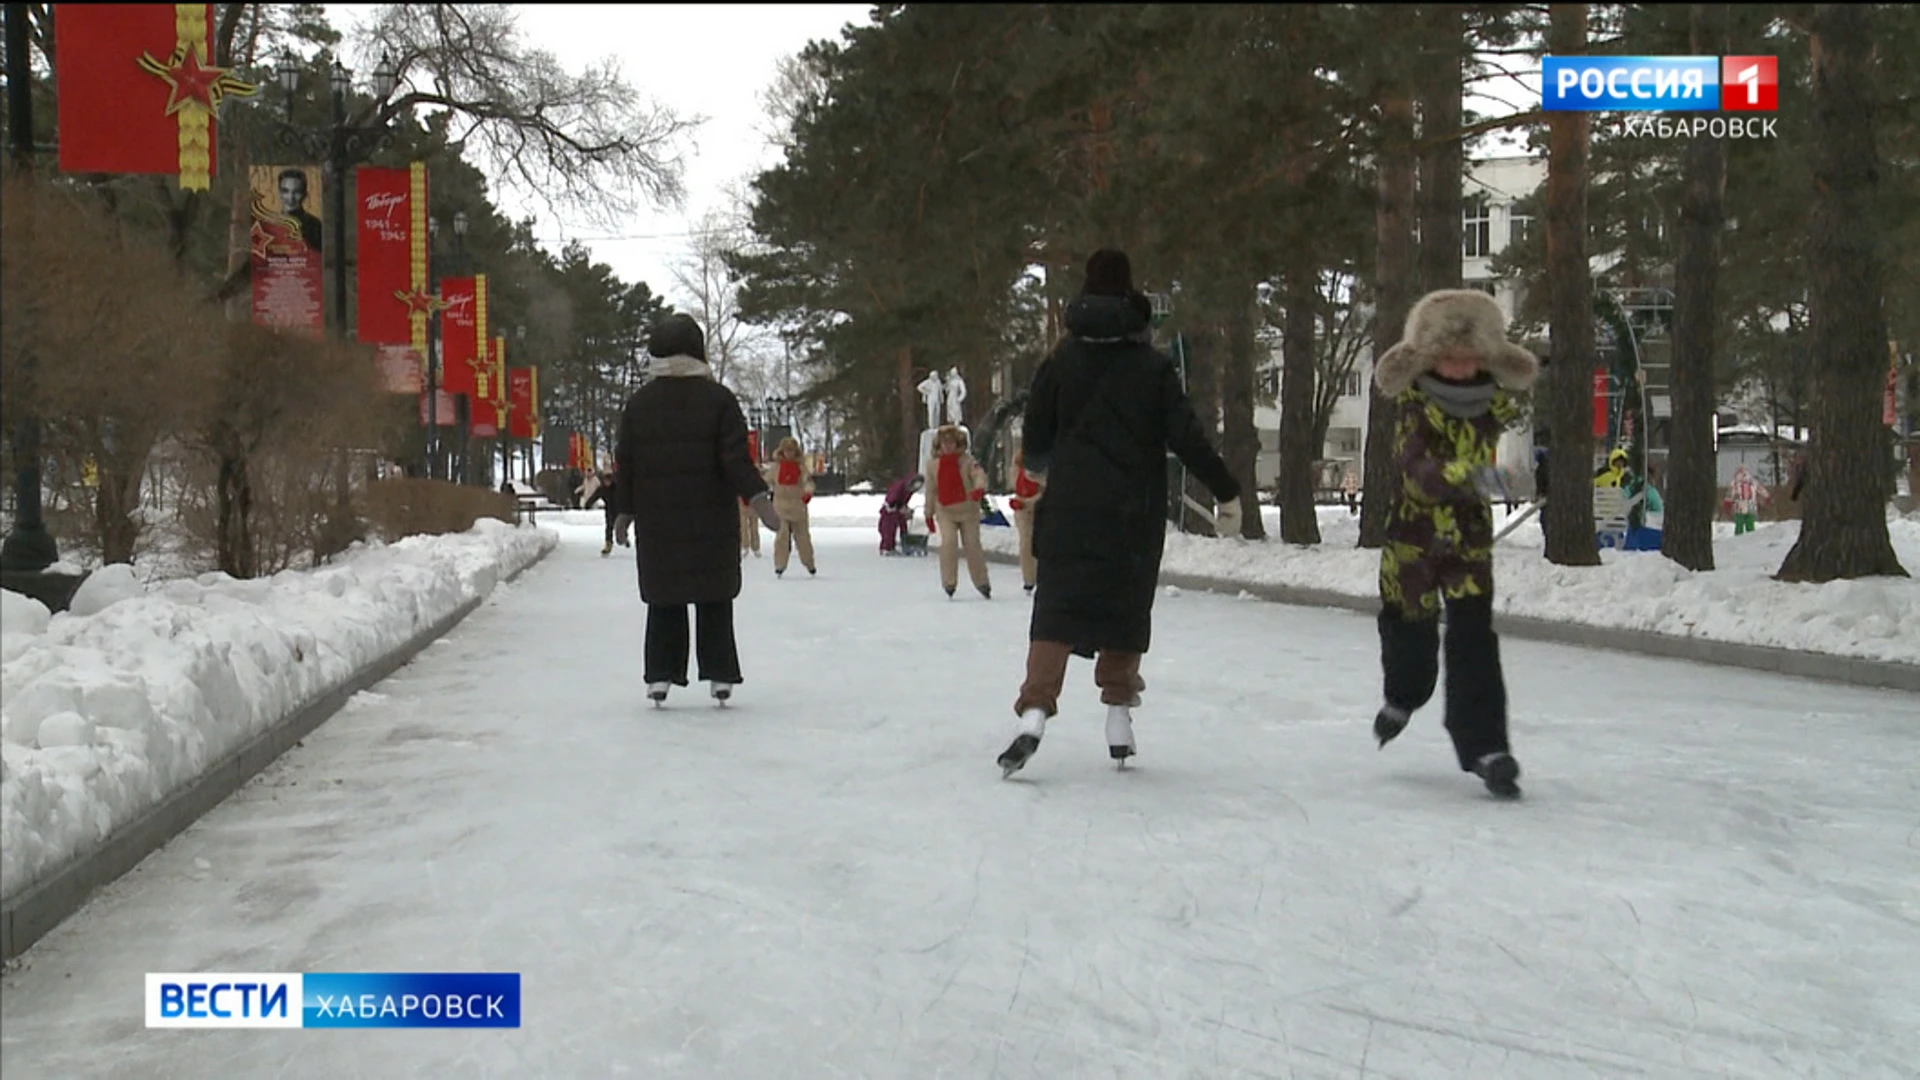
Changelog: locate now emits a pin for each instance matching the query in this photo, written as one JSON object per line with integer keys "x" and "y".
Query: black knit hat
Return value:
{"x": 1109, "y": 273}
{"x": 677, "y": 335}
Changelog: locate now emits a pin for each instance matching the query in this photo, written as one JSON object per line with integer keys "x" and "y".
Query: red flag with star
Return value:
{"x": 138, "y": 90}
{"x": 458, "y": 335}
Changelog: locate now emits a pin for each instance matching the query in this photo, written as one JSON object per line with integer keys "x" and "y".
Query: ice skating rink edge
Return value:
{"x": 47, "y": 903}
{"x": 1854, "y": 671}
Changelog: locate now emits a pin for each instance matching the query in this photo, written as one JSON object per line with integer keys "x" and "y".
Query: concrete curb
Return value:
{"x": 41, "y": 907}
{"x": 1855, "y": 671}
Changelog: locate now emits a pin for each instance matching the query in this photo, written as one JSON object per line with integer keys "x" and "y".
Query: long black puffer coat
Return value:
{"x": 1105, "y": 409}
{"x": 681, "y": 465}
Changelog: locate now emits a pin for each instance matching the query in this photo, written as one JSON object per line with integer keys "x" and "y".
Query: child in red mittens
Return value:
{"x": 955, "y": 485}
{"x": 1026, "y": 494}
{"x": 792, "y": 488}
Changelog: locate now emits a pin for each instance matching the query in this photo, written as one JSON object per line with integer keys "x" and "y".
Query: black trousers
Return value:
{"x": 608, "y": 508}
{"x": 1476, "y": 699}
{"x": 667, "y": 643}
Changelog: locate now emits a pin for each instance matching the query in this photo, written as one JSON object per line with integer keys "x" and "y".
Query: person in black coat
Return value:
{"x": 608, "y": 496}
{"x": 680, "y": 467}
{"x": 1104, "y": 409}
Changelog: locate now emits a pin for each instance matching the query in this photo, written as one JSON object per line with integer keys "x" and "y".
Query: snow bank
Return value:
{"x": 110, "y": 708}
{"x": 1638, "y": 590}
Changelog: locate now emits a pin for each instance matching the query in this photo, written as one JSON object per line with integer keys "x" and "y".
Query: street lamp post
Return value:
{"x": 341, "y": 146}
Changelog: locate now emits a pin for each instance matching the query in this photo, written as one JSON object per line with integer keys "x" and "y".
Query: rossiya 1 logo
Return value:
{"x": 1669, "y": 84}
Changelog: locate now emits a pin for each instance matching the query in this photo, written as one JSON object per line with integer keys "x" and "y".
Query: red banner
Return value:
{"x": 285, "y": 243}
{"x": 522, "y": 417}
{"x": 137, "y": 89}
{"x": 445, "y": 409}
{"x": 383, "y": 216}
{"x": 486, "y": 412}
{"x": 402, "y": 369}
{"x": 457, "y": 334}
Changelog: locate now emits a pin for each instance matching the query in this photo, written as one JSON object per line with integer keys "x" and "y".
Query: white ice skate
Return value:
{"x": 1120, "y": 733}
{"x": 721, "y": 691}
{"x": 1033, "y": 724}
{"x": 657, "y": 693}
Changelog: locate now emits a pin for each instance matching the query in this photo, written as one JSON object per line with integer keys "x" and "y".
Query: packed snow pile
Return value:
{"x": 110, "y": 708}
{"x": 1738, "y": 601}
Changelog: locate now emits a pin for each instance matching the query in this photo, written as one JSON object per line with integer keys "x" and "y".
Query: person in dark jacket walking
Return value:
{"x": 680, "y": 465}
{"x": 1104, "y": 409}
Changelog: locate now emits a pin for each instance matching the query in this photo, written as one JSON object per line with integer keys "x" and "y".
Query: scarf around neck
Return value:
{"x": 1464, "y": 400}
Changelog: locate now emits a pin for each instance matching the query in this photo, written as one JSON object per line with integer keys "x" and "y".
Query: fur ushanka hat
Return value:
{"x": 1449, "y": 319}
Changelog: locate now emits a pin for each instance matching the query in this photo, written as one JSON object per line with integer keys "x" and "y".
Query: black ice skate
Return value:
{"x": 1033, "y": 724}
{"x": 949, "y": 589}
{"x": 1389, "y": 722}
{"x": 657, "y": 693}
{"x": 722, "y": 692}
{"x": 986, "y": 592}
{"x": 1499, "y": 771}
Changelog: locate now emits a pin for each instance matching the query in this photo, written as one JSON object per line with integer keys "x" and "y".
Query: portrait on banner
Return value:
{"x": 285, "y": 242}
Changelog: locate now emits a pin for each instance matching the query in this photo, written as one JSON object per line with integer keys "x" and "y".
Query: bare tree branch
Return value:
{"x": 584, "y": 143}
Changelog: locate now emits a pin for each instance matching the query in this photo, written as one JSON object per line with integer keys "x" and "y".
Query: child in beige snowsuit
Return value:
{"x": 955, "y": 485}
{"x": 792, "y": 491}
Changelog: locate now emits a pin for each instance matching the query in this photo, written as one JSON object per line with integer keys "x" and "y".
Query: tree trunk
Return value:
{"x": 1394, "y": 287}
{"x": 1569, "y": 511}
{"x": 1843, "y": 522}
{"x": 909, "y": 409}
{"x": 1203, "y": 387}
{"x": 1299, "y": 518}
{"x": 1692, "y": 480}
{"x": 234, "y": 507}
{"x": 117, "y": 496}
{"x": 1239, "y": 439}
{"x": 1442, "y": 165}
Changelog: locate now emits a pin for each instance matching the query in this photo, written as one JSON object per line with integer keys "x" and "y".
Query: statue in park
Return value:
{"x": 956, "y": 397}
{"x": 930, "y": 391}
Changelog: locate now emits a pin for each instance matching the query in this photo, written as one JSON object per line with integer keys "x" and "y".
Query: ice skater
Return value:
{"x": 792, "y": 490}
{"x": 1026, "y": 496}
{"x": 1105, "y": 408}
{"x": 600, "y": 488}
{"x": 956, "y": 484}
{"x": 1452, "y": 380}
{"x": 681, "y": 465}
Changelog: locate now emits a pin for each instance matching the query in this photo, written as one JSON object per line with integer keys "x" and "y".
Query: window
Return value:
{"x": 1476, "y": 231}
{"x": 1519, "y": 227}
{"x": 1484, "y": 285}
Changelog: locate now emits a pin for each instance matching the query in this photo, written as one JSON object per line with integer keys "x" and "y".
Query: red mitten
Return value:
{"x": 931, "y": 527}
{"x": 977, "y": 494}
{"x": 807, "y": 498}
{"x": 1016, "y": 504}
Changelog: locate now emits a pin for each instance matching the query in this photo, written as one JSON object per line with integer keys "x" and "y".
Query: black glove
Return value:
{"x": 763, "y": 506}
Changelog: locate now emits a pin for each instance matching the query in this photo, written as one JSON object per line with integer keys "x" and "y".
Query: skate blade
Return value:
{"x": 1015, "y": 757}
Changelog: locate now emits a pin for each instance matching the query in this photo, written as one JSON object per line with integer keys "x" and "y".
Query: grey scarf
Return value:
{"x": 1464, "y": 401}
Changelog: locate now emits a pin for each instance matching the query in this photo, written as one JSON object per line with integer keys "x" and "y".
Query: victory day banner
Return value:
{"x": 458, "y": 336}
{"x": 286, "y": 247}
{"x": 523, "y": 390}
{"x": 486, "y": 405}
{"x": 391, "y": 284}
{"x": 137, "y": 89}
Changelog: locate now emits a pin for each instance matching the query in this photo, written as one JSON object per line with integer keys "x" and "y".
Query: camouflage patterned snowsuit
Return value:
{"x": 1440, "y": 530}
{"x": 1439, "y": 551}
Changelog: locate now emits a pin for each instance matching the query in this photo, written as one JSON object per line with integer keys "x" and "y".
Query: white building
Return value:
{"x": 1491, "y": 219}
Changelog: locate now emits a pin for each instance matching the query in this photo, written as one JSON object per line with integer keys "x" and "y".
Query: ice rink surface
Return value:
{"x": 1714, "y": 873}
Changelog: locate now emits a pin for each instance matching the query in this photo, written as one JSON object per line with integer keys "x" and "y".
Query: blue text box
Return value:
{"x": 1630, "y": 83}
{"x": 410, "y": 1000}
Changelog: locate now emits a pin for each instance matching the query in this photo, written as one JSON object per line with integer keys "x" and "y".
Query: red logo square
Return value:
{"x": 1749, "y": 84}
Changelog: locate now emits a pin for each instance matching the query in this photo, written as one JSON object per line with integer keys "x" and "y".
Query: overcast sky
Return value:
{"x": 699, "y": 60}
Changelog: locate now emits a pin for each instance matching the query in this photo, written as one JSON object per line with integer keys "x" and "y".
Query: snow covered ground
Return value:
{"x": 113, "y": 706}
{"x": 1639, "y": 590}
{"x": 1712, "y": 874}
